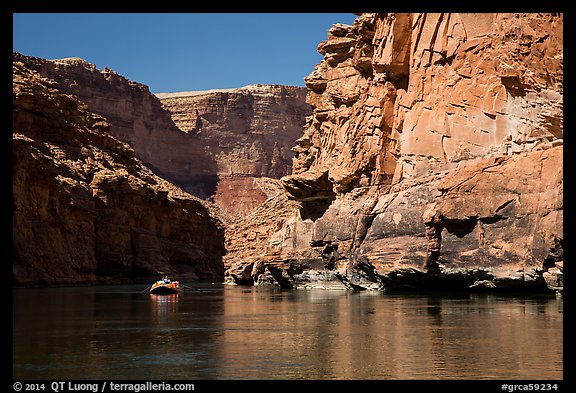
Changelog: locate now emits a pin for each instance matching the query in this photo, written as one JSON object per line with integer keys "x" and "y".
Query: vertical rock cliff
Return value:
{"x": 248, "y": 132}
{"x": 219, "y": 145}
{"x": 86, "y": 210}
{"x": 433, "y": 158}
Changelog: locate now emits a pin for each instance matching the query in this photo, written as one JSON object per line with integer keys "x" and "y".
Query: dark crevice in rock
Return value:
{"x": 491, "y": 219}
{"x": 555, "y": 253}
{"x": 460, "y": 228}
{"x": 513, "y": 86}
{"x": 314, "y": 193}
{"x": 505, "y": 204}
{"x": 314, "y": 209}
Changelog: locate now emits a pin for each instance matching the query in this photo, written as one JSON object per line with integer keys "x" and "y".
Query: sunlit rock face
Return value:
{"x": 86, "y": 209}
{"x": 433, "y": 158}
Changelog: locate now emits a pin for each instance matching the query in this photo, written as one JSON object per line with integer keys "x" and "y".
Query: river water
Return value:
{"x": 229, "y": 333}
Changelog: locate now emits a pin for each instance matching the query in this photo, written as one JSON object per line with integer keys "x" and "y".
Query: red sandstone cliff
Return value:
{"x": 86, "y": 209}
{"x": 433, "y": 158}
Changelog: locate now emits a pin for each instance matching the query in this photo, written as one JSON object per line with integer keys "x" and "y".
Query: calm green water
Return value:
{"x": 225, "y": 332}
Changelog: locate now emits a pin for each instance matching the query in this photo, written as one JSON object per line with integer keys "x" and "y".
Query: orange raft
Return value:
{"x": 165, "y": 288}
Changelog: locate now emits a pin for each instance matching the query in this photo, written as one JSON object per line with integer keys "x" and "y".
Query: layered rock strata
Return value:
{"x": 86, "y": 210}
{"x": 135, "y": 115}
{"x": 248, "y": 132}
{"x": 214, "y": 144}
{"x": 433, "y": 158}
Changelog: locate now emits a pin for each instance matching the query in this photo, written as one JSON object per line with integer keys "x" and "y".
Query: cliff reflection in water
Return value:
{"x": 330, "y": 335}
{"x": 228, "y": 332}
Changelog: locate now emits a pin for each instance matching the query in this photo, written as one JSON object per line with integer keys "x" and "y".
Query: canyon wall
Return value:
{"x": 433, "y": 158}
{"x": 219, "y": 145}
{"x": 249, "y": 133}
{"x": 86, "y": 209}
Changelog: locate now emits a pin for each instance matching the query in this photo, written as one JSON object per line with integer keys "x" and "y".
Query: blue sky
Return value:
{"x": 183, "y": 51}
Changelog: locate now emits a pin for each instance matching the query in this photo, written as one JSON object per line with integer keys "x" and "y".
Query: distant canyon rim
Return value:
{"x": 425, "y": 152}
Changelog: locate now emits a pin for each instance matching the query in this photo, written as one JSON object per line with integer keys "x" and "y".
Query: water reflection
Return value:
{"x": 323, "y": 335}
{"x": 254, "y": 333}
{"x": 164, "y": 306}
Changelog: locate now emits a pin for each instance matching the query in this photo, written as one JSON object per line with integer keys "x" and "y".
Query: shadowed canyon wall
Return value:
{"x": 220, "y": 145}
{"x": 248, "y": 132}
{"x": 433, "y": 158}
{"x": 86, "y": 210}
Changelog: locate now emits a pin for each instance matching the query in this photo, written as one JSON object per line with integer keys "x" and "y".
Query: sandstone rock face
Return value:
{"x": 249, "y": 133}
{"x": 86, "y": 209}
{"x": 247, "y": 240}
{"x": 433, "y": 157}
{"x": 136, "y": 116}
{"x": 214, "y": 144}
{"x": 414, "y": 93}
